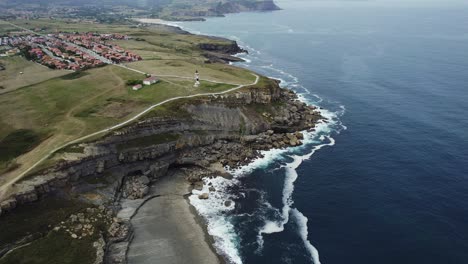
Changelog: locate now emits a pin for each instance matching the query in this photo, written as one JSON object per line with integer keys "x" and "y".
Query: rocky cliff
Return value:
{"x": 199, "y": 135}
{"x": 245, "y": 6}
{"x": 222, "y": 53}
{"x": 217, "y": 8}
{"x": 258, "y": 118}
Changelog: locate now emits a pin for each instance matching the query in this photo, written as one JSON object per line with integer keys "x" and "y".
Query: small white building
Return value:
{"x": 151, "y": 80}
{"x": 137, "y": 87}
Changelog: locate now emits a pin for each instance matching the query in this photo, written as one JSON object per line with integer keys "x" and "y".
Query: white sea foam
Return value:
{"x": 291, "y": 175}
{"x": 320, "y": 138}
{"x": 268, "y": 157}
{"x": 213, "y": 210}
{"x": 291, "y": 79}
{"x": 301, "y": 222}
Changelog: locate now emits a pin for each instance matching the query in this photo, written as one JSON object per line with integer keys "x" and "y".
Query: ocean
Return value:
{"x": 386, "y": 179}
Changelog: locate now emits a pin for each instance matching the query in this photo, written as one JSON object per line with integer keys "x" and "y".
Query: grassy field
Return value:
{"x": 49, "y": 26}
{"x": 55, "y": 248}
{"x": 61, "y": 109}
{"x": 186, "y": 68}
{"x": 35, "y": 218}
{"x": 32, "y": 73}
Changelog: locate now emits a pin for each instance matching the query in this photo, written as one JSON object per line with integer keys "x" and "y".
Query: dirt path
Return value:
{"x": 7, "y": 185}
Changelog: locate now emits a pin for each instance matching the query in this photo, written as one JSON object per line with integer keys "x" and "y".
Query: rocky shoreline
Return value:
{"x": 209, "y": 135}
{"x": 200, "y": 137}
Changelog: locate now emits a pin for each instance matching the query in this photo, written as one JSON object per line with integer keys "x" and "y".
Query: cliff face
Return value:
{"x": 226, "y": 129}
{"x": 245, "y": 6}
{"x": 219, "y": 8}
{"x": 221, "y": 53}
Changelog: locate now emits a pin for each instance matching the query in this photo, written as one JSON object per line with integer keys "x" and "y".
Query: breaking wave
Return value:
{"x": 219, "y": 209}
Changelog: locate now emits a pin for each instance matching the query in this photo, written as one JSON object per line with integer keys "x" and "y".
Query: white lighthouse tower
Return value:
{"x": 197, "y": 79}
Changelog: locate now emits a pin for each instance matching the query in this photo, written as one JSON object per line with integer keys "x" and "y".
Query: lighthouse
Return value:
{"x": 197, "y": 79}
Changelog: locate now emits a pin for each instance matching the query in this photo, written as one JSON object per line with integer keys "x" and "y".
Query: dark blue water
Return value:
{"x": 394, "y": 186}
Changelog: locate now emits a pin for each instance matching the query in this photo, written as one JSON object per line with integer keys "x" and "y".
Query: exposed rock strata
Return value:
{"x": 227, "y": 130}
{"x": 222, "y": 53}
{"x": 225, "y": 7}
{"x": 245, "y": 6}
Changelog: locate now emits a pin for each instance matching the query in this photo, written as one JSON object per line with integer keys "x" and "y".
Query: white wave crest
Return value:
{"x": 271, "y": 227}
{"x": 213, "y": 210}
{"x": 301, "y": 221}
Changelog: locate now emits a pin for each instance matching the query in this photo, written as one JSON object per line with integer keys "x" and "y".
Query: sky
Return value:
{"x": 387, "y": 2}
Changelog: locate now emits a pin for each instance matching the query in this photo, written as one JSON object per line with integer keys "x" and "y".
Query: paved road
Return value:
{"x": 85, "y": 50}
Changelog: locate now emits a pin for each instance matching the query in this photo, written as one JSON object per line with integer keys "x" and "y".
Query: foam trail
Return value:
{"x": 301, "y": 221}
{"x": 219, "y": 224}
{"x": 214, "y": 211}
{"x": 288, "y": 189}
{"x": 320, "y": 135}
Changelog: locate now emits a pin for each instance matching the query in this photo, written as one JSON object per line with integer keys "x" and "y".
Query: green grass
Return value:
{"x": 35, "y": 218}
{"x": 148, "y": 141}
{"x": 55, "y": 248}
{"x": 186, "y": 68}
{"x": 20, "y": 73}
{"x": 172, "y": 109}
{"x": 81, "y": 103}
{"x": 208, "y": 87}
{"x": 72, "y": 149}
{"x": 18, "y": 142}
{"x": 74, "y": 75}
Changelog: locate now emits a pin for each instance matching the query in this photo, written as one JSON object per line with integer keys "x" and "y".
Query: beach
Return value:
{"x": 167, "y": 229}
{"x": 154, "y": 21}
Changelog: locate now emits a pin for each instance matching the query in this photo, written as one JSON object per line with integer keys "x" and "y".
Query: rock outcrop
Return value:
{"x": 206, "y": 135}
{"x": 227, "y": 130}
{"x": 222, "y": 53}
{"x": 246, "y": 6}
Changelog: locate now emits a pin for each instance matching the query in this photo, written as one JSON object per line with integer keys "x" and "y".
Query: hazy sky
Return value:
{"x": 385, "y": 2}
{"x": 396, "y": 3}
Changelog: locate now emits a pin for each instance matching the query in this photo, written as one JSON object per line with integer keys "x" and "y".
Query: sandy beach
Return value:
{"x": 167, "y": 229}
{"x": 153, "y": 21}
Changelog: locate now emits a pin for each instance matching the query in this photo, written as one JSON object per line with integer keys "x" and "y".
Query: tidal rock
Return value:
{"x": 299, "y": 135}
{"x": 119, "y": 230}
{"x": 99, "y": 245}
{"x": 144, "y": 180}
{"x": 198, "y": 185}
{"x": 203, "y": 196}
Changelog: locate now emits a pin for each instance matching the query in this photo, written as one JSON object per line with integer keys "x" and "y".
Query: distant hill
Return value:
{"x": 224, "y": 5}
{"x": 165, "y": 9}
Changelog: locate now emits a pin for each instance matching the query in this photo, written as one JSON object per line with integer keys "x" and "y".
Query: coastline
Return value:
{"x": 156, "y": 21}
{"x": 268, "y": 134}
{"x": 179, "y": 233}
{"x": 196, "y": 190}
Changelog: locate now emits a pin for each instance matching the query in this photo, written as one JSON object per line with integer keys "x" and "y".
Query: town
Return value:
{"x": 70, "y": 51}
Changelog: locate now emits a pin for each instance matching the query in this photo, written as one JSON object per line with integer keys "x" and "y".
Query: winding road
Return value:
{"x": 4, "y": 188}
{"x": 7, "y": 185}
